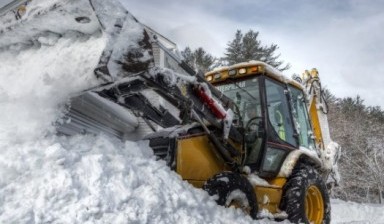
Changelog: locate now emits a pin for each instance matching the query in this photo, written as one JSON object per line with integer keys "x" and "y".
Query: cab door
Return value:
{"x": 281, "y": 136}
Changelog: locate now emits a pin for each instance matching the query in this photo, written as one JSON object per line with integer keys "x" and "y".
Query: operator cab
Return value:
{"x": 269, "y": 109}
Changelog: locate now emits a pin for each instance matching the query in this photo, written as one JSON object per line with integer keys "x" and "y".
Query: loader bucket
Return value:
{"x": 32, "y": 23}
{"x": 126, "y": 50}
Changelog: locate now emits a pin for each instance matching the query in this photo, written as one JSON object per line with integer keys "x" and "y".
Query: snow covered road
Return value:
{"x": 351, "y": 212}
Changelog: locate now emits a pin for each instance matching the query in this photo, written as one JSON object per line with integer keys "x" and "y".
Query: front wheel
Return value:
{"x": 306, "y": 198}
{"x": 233, "y": 190}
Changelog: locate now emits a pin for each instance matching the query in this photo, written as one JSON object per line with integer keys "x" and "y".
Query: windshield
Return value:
{"x": 246, "y": 96}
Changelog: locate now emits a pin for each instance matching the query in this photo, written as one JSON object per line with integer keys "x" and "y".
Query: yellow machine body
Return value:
{"x": 197, "y": 162}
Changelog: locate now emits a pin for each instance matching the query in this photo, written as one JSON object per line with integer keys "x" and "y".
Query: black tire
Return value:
{"x": 227, "y": 186}
{"x": 306, "y": 179}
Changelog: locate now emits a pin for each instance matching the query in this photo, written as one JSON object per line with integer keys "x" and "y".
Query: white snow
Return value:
{"x": 87, "y": 179}
{"x": 224, "y": 179}
{"x": 330, "y": 157}
{"x": 257, "y": 181}
{"x": 36, "y": 20}
{"x": 239, "y": 196}
{"x": 171, "y": 77}
{"x": 355, "y": 213}
{"x": 290, "y": 161}
{"x": 92, "y": 179}
{"x": 34, "y": 82}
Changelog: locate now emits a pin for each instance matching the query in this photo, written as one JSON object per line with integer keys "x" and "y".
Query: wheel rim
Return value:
{"x": 314, "y": 205}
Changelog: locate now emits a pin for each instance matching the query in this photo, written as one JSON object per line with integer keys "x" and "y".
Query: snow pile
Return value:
{"x": 88, "y": 179}
{"x": 37, "y": 22}
{"x": 34, "y": 82}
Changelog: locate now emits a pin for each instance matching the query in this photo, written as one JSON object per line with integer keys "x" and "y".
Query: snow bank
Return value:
{"x": 34, "y": 82}
{"x": 87, "y": 179}
{"x": 351, "y": 212}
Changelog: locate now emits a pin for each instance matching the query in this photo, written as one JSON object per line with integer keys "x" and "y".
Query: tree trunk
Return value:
{"x": 380, "y": 194}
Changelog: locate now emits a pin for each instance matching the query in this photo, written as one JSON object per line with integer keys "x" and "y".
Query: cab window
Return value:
{"x": 279, "y": 113}
{"x": 246, "y": 96}
{"x": 300, "y": 113}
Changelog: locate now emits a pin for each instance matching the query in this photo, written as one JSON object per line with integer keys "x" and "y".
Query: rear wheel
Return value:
{"x": 233, "y": 190}
{"x": 306, "y": 198}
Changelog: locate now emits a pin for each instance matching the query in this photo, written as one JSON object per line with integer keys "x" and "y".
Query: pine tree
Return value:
{"x": 188, "y": 56}
{"x": 203, "y": 60}
{"x": 248, "y": 47}
{"x": 251, "y": 48}
{"x": 234, "y": 52}
{"x": 199, "y": 59}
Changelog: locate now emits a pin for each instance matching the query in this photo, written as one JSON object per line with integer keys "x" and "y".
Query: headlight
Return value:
{"x": 242, "y": 71}
{"x": 232, "y": 72}
{"x": 217, "y": 76}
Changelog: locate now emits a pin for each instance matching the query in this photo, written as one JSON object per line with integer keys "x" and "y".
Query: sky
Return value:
{"x": 342, "y": 39}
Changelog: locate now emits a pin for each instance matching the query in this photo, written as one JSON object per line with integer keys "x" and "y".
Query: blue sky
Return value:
{"x": 342, "y": 39}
